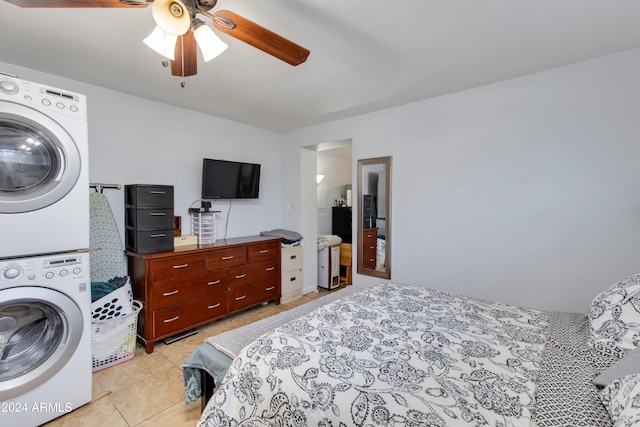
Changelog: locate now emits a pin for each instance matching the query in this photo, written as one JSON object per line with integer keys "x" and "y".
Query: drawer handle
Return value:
{"x": 157, "y": 213}
{"x": 369, "y": 235}
{"x": 371, "y": 259}
{"x": 153, "y": 236}
{"x": 215, "y": 282}
{"x": 156, "y": 192}
{"x": 168, "y": 294}
{"x": 270, "y": 289}
{"x": 173, "y": 319}
{"x": 214, "y": 306}
{"x": 264, "y": 251}
{"x": 225, "y": 258}
{"x": 371, "y": 247}
{"x": 293, "y": 279}
{"x": 294, "y": 256}
{"x": 270, "y": 269}
{"x": 240, "y": 276}
{"x": 242, "y": 297}
{"x": 181, "y": 266}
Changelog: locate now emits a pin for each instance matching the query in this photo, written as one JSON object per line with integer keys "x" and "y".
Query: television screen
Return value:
{"x": 224, "y": 179}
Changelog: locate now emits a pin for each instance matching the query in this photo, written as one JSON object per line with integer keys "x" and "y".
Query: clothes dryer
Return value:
{"x": 45, "y": 337}
{"x": 44, "y": 178}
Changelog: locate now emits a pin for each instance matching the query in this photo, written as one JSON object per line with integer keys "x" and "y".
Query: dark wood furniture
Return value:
{"x": 369, "y": 247}
{"x": 189, "y": 287}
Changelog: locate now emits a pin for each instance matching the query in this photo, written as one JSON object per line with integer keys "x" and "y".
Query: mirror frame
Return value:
{"x": 386, "y": 273}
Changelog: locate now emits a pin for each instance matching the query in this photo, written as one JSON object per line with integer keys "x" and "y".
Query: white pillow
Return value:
{"x": 614, "y": 318}
{"x": 622, "y": 400}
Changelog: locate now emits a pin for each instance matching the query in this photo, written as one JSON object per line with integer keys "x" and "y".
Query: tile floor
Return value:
{"x": 148, "y": 389}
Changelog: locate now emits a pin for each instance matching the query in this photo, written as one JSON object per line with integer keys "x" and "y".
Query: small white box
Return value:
{"x": 185, "y": 241}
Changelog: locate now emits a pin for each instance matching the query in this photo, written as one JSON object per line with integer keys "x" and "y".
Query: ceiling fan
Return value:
{"x": 178, "y": 30}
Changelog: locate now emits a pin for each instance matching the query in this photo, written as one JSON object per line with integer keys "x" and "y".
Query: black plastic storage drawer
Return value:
{"x": 149, "y": 241}
{"x": 149, "y": 218}
{"x": 149, "y": 196}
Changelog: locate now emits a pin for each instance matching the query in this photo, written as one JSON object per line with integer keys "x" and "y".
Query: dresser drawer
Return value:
{"x": 177, "y": 267}
{"x": 291, "y": 258}
{"x": 225, "y": 258}
{"x": 263, "y": 251}
{"x": 252, "y": 273}
{"x": 175, "y": 318}
{"x": 174, "y": 292}
{"x": 249, "y": 295}
{"x": 369, "y": 258}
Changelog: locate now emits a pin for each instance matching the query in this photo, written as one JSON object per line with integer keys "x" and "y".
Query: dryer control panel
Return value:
{"x": 50, "y": 98}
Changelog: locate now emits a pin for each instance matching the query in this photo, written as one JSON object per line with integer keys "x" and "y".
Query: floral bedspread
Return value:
{"x": 394, "y": 355}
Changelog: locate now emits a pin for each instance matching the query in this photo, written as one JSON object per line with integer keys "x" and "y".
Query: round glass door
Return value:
{"x": 39, "y": 162}
{"x": 39, "y": 331}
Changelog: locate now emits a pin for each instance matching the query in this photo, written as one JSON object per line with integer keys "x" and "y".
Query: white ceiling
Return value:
{"x": 365, "y": 55}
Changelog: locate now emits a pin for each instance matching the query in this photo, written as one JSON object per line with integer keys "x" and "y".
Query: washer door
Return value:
{"x": 39, "y": 332}
{"x": 39, "y": 161}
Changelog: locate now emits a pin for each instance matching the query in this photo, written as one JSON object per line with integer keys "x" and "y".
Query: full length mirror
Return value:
{"x": 374, "y": 217}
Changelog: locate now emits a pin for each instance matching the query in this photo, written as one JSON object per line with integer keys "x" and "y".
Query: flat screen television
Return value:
{"x": 224, "y": 179}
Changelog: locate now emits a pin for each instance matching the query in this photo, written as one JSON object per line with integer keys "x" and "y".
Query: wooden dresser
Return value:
{"x": 189, "y": 287}
{"x": 369, "y": 247}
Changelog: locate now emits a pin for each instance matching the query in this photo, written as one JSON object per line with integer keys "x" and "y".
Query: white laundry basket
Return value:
{"x": 114, "y": 328}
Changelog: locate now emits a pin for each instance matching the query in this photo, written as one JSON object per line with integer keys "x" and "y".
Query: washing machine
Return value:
{"x": 45, "y": 337}
{"x": 44, "y": 178}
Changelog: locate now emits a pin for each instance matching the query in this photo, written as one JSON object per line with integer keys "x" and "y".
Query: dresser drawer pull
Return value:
{"x": 293, "y": 279}
{"x": 215, "y": 282}
{"x": 264, "y": 251}
{"x": 225, "y": 258}
{"x": 158, "y": 213}
{"x": 270, "y": 288}
{"x": 241, "y": 276}
{"x": 168, "y": 294}
{"x": 156, "y": 192}
{"x": 173, "y": 319}
{"x": 181, "y": 266}
{"x": 270, "y": 269}
{"x": 242, "y": 297}
{"x": 214, "y": 306}
{"x": 153, "y": 236}
{"x": 293, "y": 257}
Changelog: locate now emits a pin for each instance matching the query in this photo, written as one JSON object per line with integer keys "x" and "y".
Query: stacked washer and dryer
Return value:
{"x": 45, "y": 285}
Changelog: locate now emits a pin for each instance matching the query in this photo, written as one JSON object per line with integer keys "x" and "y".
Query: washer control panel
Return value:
{"x": 42, "y": 269}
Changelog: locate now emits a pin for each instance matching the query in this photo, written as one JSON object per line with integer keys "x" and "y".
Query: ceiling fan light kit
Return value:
{"x": 162, "y": 42}
{"x": 177, "y": 18}
{"x": 210, "y": 44}
{"x": 172, "y": 16}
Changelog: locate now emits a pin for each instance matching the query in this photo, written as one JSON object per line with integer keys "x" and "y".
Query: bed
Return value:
{"x": 399, "y": 355}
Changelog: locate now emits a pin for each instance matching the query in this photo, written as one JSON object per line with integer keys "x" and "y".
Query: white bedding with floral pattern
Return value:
{"x": 394, "y": 355}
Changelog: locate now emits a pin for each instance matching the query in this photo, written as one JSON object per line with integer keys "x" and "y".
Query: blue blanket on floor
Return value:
{"x": 206, "y": 358}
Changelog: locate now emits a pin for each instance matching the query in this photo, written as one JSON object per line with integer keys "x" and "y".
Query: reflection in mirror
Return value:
{"x": 374, "y": 217}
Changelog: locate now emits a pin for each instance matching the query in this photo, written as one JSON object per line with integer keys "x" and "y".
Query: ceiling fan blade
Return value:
{"x": 186, "y": 44}
{"x": 267, "y": 41}
{"x": 75, "y": 3}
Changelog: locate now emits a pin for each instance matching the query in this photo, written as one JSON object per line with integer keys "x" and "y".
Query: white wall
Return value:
{"x": 135, "y": 140}
{"x": 526, "y": 191}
